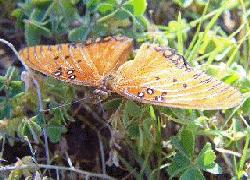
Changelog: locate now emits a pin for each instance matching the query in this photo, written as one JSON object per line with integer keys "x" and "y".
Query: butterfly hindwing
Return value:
{"x": 78, "y": 63}
{"x": 162, "y": 77}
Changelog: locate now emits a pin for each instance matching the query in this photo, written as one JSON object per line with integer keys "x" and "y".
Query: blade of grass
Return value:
{"x": 245, "y": 20}
{"x": 179, "y": 36}
{"x": 195, "y": 49}
{"x": 232, "y": 58}
{"x": 244, "y": 152}
{"x": 197, "y": 32}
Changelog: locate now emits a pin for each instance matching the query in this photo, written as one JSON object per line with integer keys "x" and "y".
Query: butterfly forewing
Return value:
{"x": 108, "y": 57}
{"x": 83, "y": 64}
{"x": 161, "y": 76}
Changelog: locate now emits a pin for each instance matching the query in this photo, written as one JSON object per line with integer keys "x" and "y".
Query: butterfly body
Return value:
{"x": 157, "y": 75}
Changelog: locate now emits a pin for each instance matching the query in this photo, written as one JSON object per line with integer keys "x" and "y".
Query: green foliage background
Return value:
{"x": 196, "y": 28}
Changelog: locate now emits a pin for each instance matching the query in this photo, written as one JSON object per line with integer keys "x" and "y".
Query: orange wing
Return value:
{"x": 82, "y": 64}
{"x": 162, "y": 77}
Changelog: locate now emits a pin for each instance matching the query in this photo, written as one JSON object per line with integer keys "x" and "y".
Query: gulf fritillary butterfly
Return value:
{"x": 157, "y": 75}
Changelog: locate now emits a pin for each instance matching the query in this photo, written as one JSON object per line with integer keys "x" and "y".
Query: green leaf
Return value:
{"x": 11, "y": 126}
{"x": 54, "y": 133}
{"x": 37, "y": 15}
{"x": 27, "y": 8}
{"x": 187, "y": 141}
{"x": 152, "y": 113}
{"x": 133, "y": 131}
{"x": 141, "y": 141}
{"x": 29, "y": 127}
{"x": 246, "y": 107}
{"x": 178, "y": 145}
{"x": 178, "y": 165}
{"x": 33, "y": 31}
{"x": 21, "y": 129}
{"x": 74, "y": 2}
{"x": 209, "y": 158}
{"x": 40, "y": 2}
{"x": 132, "y": 109}
{"x": 15, "y": 87}
{"x": 183, "y": 3}
{"x": 138, "y": 6}
{"x": 92, "y": 3}
{"x": 177, "y": 27}
{"x": 40, "y": 119}
{"x": 244, "y": 84}
{"x": 7, "y": 110}
{"x": 78, "y": 34}
{"x": 121, "y": 14}
{"x": 112, "y": 104}
{"x": 55, "y": 127}
{"x": 202, "y": 2}
{"x": 68, "y": 9}
{"x": 105, "y": 8}
{"x": 206, "y": 157}
{"x": 231, "y": 79}
{"x": 34, "y": 129}
{"x": 215, "y": 170}
{"x": 17, "y": 13}
{"x": 219, "y": 71}
{"x": 192, "y": 173}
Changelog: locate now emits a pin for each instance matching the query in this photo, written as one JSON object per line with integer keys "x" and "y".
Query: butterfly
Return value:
{"x": 157, "y": 75}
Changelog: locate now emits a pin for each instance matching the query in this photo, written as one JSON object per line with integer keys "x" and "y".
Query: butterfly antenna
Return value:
{"x": 66, "y": 104}
{"x": 11, "y": 46}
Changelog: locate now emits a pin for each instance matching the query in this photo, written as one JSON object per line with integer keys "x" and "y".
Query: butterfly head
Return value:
{"x": 103, "y": 93}
{"x": 104, "y": 90}
{"x": 106, "y": 82}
